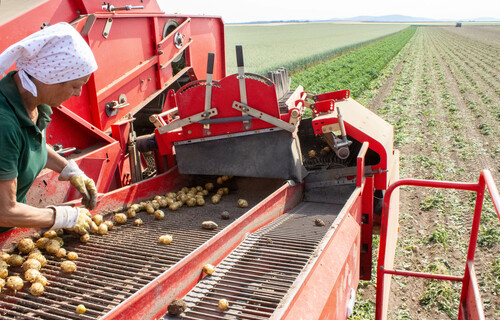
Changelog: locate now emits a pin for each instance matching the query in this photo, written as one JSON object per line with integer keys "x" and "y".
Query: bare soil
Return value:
{"x": 443, "y": 99}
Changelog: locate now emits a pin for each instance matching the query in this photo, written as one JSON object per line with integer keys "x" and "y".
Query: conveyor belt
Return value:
{"x": 257, "y": 275}
{"x": 113, "y": 267}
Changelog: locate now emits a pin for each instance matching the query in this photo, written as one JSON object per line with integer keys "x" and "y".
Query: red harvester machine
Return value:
{"x": 146, "y": 124}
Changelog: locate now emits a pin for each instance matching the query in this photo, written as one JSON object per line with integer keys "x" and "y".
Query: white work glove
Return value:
{"x": 81, "y": 182}
{"x": 75, "y": 219}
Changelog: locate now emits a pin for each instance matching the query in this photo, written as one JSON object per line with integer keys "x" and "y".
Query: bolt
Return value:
{"x": 105, "y": 34}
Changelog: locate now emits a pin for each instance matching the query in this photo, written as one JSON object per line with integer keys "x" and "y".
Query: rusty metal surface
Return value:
{"x": 112, "y": 267}
{"x": 257, "y": 275}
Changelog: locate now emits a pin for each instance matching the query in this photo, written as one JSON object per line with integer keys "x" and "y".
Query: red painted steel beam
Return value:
{"x": 485, "y": 180}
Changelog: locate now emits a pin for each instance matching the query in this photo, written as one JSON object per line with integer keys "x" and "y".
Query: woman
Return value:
{"x": 53, "y": 64}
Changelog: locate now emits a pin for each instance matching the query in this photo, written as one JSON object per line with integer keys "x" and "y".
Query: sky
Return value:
{"x": 233, "y": 11}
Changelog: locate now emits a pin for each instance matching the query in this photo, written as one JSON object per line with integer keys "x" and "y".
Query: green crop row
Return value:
{"x": 354, "y": 70}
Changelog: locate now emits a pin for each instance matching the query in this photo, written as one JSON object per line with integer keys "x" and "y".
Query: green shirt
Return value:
{"x": 23, "y": 151}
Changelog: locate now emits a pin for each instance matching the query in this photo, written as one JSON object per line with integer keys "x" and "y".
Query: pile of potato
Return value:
{"x": 31, "y": 259}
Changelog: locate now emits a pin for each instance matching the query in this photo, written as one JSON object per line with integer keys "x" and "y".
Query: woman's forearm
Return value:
{"x": 55, "y": 162}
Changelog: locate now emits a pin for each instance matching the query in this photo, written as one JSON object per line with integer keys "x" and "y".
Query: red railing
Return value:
{"x": 470, "y": 301}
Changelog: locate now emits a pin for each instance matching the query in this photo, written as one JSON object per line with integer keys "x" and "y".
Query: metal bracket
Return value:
{"x": 263, "y": 116}
{"x": 242, "y": 84}
{"x": 184, "y": 122}
{"x": 112, "y": 107}
{"x": 107, "y": 27}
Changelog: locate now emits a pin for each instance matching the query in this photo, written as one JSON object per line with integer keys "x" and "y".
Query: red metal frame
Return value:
{"x": 134, "y": 59}
{"x": 470, "y": 302}
{"x": 190, "y": 100}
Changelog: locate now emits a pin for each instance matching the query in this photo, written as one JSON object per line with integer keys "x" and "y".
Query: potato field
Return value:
{"x": 439, "y": 86}
{"x": 296, "y": 46}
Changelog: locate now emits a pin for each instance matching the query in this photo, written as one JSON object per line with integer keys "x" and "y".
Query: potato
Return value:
{"x": 15, "y": 283}
{"x": 61, "y": 253}
{"x": 4, "y": 256}
{"x": 209, "y": 269}
{"x": 224, "y": 215}
{"x": 2, "y": 284}
{"x": 131, "y": 213}
{"x": 15, "y": 260}
{"x": 42, "y": 243}
{"x": 166, "y": 239}
{"x": 159, "y": 215}
{"x": 312, "y": 154}
{"x": 4, "y": 269}
{"x": 318, "y": 222}
{"x": 183, "y": 198}
{"x": 68, "y": 266}
{"x": 209, "y": 186}
{"x": 120, "y": 218}
{"x": 41, "y": 279}
{"x": 50, "y": 234}
{"x": 171, "y": 195}
{"x": 53, "y": 246}
{"x": 163, "y": 203}
{"x": 135, "y": 207}
{"x": 25, "y": 245}
{"x": 32, "y": 264}
{"x": 200, "y": 201}
{"x": 103, "y": 229}
{"x": 80, "y": 309}
{"x": 185, "y": 190}
{"x": 149, "y": 208}
{"x": 191, "y": 202}
{"x": 97, "y": 219}
{"x": 37, "y": 289}
{"x": 72, "y": 255}
{"x": 155, "y": 204}
{"x": 174, "y": 206}
{"x": 204, "y": 192}
{"x": 60, "y": 232}
{"x": 85, "y": 238}
{"x": 170, "y": 201}
{"x": 34, "y": 252}
{"x": 157, "y": 198}
{"x": 176, "y": 307}
{"x": 325, "y": 151}
{"x": 60, "y": 240}
{"x": 209, "y": 225}
{"x": 40, "y": 257}
{"x": 223, "y": 304}
{"x": 109, "y": 224}
{"x": 225, "y": 190}
{"x": 242, "y": 203}
{"x": 220, "y": 191}
{"x": 219, "y": 180}
{"x": 31, "y": 275}
{"x": 216, "y": 198}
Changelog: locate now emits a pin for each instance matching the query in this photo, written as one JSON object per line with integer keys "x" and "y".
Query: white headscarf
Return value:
{"x": 53, "y": 55}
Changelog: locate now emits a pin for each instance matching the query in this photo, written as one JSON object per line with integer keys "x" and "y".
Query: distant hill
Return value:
{"x": 401, "y": 18}
{"x": 388, "y": 18}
